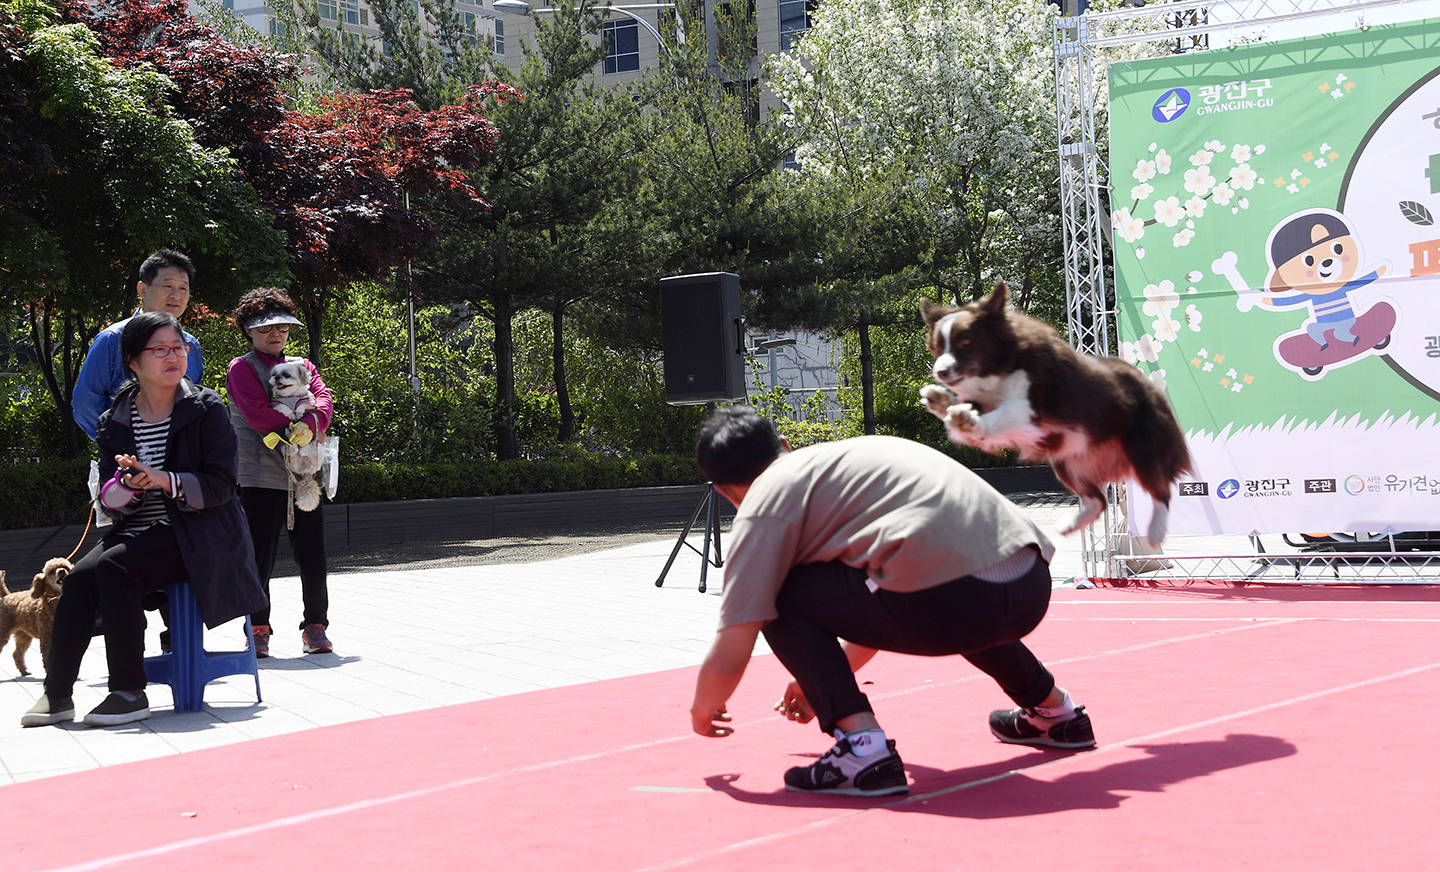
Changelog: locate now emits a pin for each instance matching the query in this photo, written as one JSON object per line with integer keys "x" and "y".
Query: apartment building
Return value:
{"x": 353, "y": 16}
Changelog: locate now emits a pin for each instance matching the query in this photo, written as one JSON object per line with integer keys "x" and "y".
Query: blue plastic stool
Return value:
{"x": 189, "y": 667}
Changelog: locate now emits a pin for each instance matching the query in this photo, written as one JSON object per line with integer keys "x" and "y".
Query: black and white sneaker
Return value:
{"x": 842, "y": 773}
{"x": 47, "y": 711}
{"x": 116, "y": 710}
{"x": 1024, "y": 726}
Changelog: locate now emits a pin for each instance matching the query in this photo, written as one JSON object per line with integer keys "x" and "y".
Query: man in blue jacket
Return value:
{"x": 164, "y": 286}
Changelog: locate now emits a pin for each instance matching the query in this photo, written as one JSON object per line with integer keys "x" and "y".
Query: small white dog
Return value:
{"x": 290, "y": 388}
{"x": 291, "y": 396}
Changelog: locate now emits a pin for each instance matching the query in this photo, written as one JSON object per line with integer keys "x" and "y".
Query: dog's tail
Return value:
{"x": 1156, "y": 445}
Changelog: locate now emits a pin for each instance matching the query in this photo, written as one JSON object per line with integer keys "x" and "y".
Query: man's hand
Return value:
{"x": 794, "y": 705}
{"x": 711, "y": 724}
{"x": 719, "y": 675}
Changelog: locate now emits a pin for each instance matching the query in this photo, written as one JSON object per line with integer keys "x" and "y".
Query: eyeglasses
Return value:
{"x": 283, "y": 328}
{"x": 165, "y": 352}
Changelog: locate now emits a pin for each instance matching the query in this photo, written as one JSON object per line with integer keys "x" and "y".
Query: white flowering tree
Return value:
{"x": 953, "y": 101}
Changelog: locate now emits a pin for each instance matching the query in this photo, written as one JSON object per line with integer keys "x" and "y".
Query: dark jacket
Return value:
{"x": 210, "y": 525}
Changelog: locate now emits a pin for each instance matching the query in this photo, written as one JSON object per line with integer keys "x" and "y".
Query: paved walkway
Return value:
{"x": 421, "y": 629}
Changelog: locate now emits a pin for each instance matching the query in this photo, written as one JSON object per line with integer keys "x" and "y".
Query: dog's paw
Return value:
{"x": 937, "y": 399}
{"x": 1090, "y": 509}
{"x": 963, "y": 418}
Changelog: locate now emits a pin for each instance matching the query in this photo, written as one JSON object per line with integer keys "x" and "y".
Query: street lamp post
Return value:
{"x": 520, "y": 7}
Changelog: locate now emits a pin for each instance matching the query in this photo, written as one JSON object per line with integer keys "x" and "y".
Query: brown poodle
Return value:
{"x": 31, "y": 614}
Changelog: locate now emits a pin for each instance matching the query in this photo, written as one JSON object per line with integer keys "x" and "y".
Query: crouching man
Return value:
{"x": 887, "y": 545}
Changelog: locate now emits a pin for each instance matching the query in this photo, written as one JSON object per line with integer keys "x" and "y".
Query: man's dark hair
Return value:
{"x": 736, "y": 445}
{"x": 138, "y": 330}
{"x": 163, "y": 258}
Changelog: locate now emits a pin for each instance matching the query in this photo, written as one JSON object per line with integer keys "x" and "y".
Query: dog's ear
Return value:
{"x": 37, "y": 587}
{"x": 931, "y": 312}
{"x": 995, "y": 303}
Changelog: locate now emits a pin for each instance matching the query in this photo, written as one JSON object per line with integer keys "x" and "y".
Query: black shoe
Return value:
{"x": 47, "y": 711}
{"x": 117, "y": 710}
{"x": 841, "y": 773}
{"x": 165, "y": 641}
{"x": 1028, "y": 727}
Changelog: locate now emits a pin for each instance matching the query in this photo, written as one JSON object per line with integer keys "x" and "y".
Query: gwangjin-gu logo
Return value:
{"x": 1171, "y": 105}
{"x": 1228, "y": 488}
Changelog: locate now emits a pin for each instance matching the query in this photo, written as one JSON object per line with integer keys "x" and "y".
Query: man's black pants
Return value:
{"x": 983, "y": 621}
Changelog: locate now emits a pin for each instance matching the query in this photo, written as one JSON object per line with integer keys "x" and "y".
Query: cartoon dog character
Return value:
{"x": 1314, "y": 258}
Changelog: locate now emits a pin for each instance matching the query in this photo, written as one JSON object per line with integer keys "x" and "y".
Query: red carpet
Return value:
{"x": 1279, "y": 729}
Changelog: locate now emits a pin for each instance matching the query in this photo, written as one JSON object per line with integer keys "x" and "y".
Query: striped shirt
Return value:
{"x": 150, "y": 450}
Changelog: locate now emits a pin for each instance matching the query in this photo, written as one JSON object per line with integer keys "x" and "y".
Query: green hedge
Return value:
{"x": 54, "y": 493}
{"x": 386, "y": 482}
{"x": 44, "y": 494}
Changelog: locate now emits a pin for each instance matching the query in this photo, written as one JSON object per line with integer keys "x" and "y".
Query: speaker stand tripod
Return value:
{"x": 712, "y": 526}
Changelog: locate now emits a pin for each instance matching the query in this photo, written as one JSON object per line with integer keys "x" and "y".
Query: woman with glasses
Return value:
{"x": 265, "y": 316}
{"x": 168, "y": 460}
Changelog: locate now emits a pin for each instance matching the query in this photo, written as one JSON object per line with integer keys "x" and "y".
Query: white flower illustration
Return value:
{"x": 1183, "y": 237}
{"x": 1320, "y": 163}
{"x": 1295, "y": 174}
{"x": 1337, "y": 93}
{"x": 1202, "y": 353}
{"x": 1193, "y": 318}
{"x": 1141, "y": 191}
{"x": 1199, "y": 181}
{"x": 1293, "y": 188}
{"x": 1222, "y": 194}
{"x": 1240, "y": 153}
{"x": 1166, "y": 329}
{"x": 1160, "y": 299}
{"x": 1168, "y": 211}
{"x": 1139, "y": 254}
{"x": 1325, "y": 146}
{"x": 1162, "y": 162}
{"x": 1237, "y": 387}
{"x": 1242, "y": 177}
{"x": 1244, "y": 202}
{"x": 1201, "y": 157}
{"x": 1195, "y": 207}
{"x": 1208, "y": 366}
{"x": 1260, "y": 149}
{"x": 1129, "y": 227}
{"x": 1194, "y": 275}
{"x": 1127, "y": 352}
{"x": 1144, "y": 170}
{"x": 1157, "y": 378}
{"x": 1147, "y": 349}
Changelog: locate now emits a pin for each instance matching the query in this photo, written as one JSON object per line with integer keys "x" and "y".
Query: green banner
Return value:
{"x": 1277, "y": 262}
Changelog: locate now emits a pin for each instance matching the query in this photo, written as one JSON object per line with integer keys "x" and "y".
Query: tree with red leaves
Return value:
{"x": 336, "y": 180}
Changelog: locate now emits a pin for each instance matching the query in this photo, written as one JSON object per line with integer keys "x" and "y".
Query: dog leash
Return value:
{"x": 88, "y": 518}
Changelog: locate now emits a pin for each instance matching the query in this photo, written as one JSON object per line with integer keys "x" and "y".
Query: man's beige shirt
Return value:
{"x": 909, "y": 516}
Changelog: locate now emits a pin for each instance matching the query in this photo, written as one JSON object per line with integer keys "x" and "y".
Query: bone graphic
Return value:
{"x": 1224, "y": 265}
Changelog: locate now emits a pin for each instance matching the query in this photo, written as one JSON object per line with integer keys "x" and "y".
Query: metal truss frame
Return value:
{"x": 1082, "y": 45}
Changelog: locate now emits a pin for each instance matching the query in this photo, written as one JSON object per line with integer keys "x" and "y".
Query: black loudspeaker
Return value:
{"x": 703, "y": 336}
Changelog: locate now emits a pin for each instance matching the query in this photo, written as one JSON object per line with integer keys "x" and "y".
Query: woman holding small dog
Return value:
{"x": 265, "y": 316}
{"x": 168, "y": 459}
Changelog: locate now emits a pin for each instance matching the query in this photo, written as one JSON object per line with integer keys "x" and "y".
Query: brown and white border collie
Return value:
{"x": 1009, "y": 381}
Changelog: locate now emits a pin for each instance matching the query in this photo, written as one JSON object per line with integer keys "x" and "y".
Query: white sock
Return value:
{"x": 863, "y": 743}
{"x": 1064, "y": 711}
